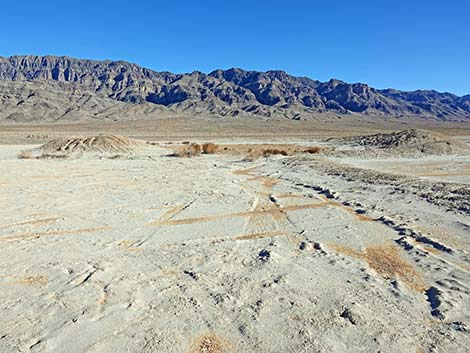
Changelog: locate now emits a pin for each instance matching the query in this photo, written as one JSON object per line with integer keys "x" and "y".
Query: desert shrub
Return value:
{"x": 209, "y": 148}
{"x": 188, "y": 151}
{"x": 185, "y": 143}
{"x": 313, "y": 150}
{"x": 250, "y": 157}
{"x": 196, "y": 148}
{"x": 25, "y": 154}
{"x": 272, "y": 151}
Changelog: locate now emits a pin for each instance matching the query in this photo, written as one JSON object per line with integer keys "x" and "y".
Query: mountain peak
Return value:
{"x": 221, "y": 92}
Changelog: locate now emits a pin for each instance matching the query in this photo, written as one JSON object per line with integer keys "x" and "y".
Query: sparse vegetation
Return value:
{"x": 26, "y": 154}
{"x": 209, "y": 148}
{"x": 313, "y": 150}
{"x": 187, "y": 151}
{"x": 251, "y": 157}
{"x": 194, "y": 149}
{"x": 210, "y": 343}
{"x": 273, "y": 151}
{"x": 386, "y": 260}
{"x": 36, "y": 281}
{"x": 255, "y": 151}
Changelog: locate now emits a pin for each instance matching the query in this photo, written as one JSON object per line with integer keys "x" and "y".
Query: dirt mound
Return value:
{"x": 72, "y": 146}
{"x": 408, "y": 142}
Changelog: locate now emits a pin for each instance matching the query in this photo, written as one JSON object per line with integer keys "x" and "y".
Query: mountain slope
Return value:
{"x": 52, "y": 88}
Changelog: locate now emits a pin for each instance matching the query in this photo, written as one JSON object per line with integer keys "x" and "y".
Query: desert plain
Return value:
{"x": 263, "y": 245}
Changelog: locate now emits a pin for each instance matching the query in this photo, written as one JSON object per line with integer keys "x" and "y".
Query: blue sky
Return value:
{"x": 402, "y": 44}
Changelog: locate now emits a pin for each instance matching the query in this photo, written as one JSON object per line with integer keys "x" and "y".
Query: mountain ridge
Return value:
{"x": 65, "y": 88}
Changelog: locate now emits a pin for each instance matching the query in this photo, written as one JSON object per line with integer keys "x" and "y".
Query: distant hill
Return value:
{"x": 48, "y": 88}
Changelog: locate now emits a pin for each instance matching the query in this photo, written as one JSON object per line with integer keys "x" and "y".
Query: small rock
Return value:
{"x": 191, "y": 274}
{"x": 351, "y": 316}
{"x": 264, "y": 255}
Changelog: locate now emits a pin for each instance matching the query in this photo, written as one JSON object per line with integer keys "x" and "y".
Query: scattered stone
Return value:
{"x": 347, "y": 314}
{"x": 264, "y": 255}
{"x": 191, "y": 274}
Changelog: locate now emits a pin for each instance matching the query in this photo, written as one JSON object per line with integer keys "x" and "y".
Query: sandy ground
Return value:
{"x": 225, "y": 130}
{"x": 434, "y": 168}
{"x": 217, "y": 254}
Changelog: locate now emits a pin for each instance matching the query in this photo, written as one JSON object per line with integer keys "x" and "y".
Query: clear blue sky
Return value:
{"x": 386, "y": 43}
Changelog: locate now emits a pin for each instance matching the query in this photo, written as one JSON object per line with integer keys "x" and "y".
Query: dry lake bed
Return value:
{"x": 333, "y": 251}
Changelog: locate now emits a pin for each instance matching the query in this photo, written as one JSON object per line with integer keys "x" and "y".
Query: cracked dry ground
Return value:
{"x": 208, "y": 255}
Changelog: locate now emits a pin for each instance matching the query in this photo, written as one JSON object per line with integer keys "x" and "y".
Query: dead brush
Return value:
{"x": 388, "y": 262}
{"x": 274, "y": 151}
{"x": 313, "y": 150}
{"x": 210, "y": 343}
{"x": 254, "y": 154}
{"x": 250, "y": 157}
{"x": 26, "y": 154}
{"x": 188, "y": 151}
{"x": 209, "y": 148}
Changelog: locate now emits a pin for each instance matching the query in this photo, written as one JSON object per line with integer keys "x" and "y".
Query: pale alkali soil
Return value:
{"x": 145, "y": 252}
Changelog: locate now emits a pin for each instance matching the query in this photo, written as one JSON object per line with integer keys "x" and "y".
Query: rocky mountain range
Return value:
{"x": 48, "y": 88}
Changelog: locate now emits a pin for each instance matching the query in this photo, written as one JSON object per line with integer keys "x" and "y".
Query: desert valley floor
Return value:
{"x": 147, "y": 252}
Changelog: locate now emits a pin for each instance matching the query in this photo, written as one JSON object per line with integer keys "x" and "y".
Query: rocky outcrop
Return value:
{"x": 57, "y": 87}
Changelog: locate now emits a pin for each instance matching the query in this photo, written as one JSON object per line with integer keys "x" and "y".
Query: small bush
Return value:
{"x": 251, "y": 157}
{"x": 185, "y": 143}
{"x": 209, "y": 148}
{"x": 313, "y": 150}
{"x": 196, "y": 148}
{"x": 189, "y": 151}
{"x": 272, "y": 151}
{"x": 25, "y": 154}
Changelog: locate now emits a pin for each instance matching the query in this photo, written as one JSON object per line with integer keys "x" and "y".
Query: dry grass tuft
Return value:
{"x": 251, "y": 157}
{"x": 386, "y": 260}
{"x": 274, "y": 151}
{"x": 188, "y": 151}
{"x": 252, "y": 151}
{"x": 258, "y": 150}
{"x": 346, "y": 250}
{"x": 36, "y": 281}
{"x": 33, "y": 222}
{"x": 31, "y": 235}
{"x": 210, "y": 343}
{"x": 25, "y": 154}
{"x": 313, "y": 150}
{"x": 209, "y": 148}
{"x": 270, "y": 234}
